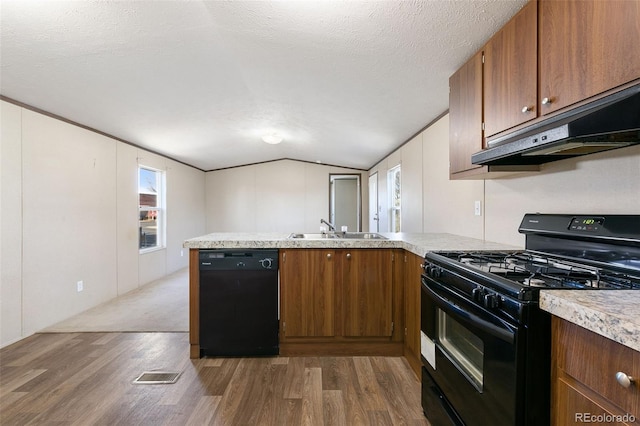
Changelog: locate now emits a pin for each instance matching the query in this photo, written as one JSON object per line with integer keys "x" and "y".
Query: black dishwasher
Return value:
{"x": 238, "y": 302}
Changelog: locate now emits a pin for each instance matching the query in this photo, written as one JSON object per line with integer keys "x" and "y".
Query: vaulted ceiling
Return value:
{"x": 342, "y": 82}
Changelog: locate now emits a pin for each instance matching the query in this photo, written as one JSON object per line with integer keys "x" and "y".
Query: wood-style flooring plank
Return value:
{"x": 9, "y": 386}
{"x": 393, "y": 382}
{"x": 333, "y": 408}
{"x": 312, "y": 413}
{"x": 369, "y": 387}
{"x": 86, "y": 379}
{"x": 203, "y": 411}
{"x": 295, "y": 378}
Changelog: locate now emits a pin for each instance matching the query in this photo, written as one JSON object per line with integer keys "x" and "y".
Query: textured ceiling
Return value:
{"x": 344, "y": 82}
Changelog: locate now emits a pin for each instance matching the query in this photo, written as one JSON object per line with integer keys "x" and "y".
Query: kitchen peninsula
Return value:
{"x": 346, "y": 330}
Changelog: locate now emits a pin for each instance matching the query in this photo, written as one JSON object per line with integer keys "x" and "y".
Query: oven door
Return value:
{"x": 471, "y": 358}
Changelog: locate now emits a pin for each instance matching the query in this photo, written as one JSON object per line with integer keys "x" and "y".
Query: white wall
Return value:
{"x": 411, "y": 173}
{"x": 69, "y": 225}
{"x": 69, "y": 212}
{"x": 279, "y": 196}
{"x": 604, "y": 183}
{"x": 10, "y": 223}
{"x": 448, "y": 204}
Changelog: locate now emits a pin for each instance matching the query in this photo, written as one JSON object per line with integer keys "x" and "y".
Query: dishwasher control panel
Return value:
{"x": 237, "y": 259}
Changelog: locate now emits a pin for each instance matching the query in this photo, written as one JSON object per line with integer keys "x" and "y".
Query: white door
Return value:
{"x": 345, "y": 202}
{"x": 374, "y": 219}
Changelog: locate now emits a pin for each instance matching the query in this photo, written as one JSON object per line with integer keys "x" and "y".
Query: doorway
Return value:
{"x": 374, "y": 217}
{"x": 345, "y": 202}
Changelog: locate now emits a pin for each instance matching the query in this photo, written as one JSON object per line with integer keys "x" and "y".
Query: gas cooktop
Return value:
{"x": 544, "y": 271}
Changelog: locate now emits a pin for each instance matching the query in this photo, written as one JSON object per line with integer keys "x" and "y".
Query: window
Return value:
{"x": 393, "y": 177}
{"x": 151, "y": 208}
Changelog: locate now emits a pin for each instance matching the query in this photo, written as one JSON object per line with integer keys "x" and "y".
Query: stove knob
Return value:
{"x": 491, "y": 301}
{"x": 477, "y": 294}
{"x": 436, "y": 272}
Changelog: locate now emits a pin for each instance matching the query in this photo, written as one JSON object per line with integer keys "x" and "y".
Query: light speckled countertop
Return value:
{"x": 614, "y": 314}
{"x": 415, "y": 243}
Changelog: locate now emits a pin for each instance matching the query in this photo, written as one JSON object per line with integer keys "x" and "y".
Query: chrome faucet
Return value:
{"x": 331, "y": 227}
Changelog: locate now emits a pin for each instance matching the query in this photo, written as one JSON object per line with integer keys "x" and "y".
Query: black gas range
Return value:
{"x": 485, "y": 342}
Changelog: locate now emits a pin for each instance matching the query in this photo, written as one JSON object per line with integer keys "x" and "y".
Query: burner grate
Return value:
{"x": 534, "y": 270}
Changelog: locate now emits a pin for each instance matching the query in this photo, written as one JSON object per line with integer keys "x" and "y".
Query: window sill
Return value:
{"x": 150, "y": 250}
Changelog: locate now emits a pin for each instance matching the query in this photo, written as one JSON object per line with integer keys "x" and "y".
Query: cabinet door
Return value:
{"x": 586, "y": 47}
{"x": 412, "y": 293}
{"x": 572, "y": 406}
{"x": 307, "y": 292}
{"x": 366, "y": 292}
{"x": 585, "y": 367}
{"x": 465, "y": 115}
{"x": 510, "y": 73}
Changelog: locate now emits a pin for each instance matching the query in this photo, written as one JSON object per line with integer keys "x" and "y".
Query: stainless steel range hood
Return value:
{"x": 607, "y": 123}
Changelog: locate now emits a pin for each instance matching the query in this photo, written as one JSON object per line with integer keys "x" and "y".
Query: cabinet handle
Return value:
{"x": 348, "y": 255}
{"x": 328, "y": 255}
{"x": 546, "y": 101}
{"x": 526, "y": 109}
{"x": 624, "y": 380}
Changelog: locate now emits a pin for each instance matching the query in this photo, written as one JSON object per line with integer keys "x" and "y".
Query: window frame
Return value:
{"x": 159, "y": 209}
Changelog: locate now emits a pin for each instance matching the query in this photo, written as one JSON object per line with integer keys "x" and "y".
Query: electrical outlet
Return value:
{"x": 80, "y": 286}
{"x": 478, "y": 208}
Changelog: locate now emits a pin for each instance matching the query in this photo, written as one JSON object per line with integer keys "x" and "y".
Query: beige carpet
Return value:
{"x": 160, "y": 306}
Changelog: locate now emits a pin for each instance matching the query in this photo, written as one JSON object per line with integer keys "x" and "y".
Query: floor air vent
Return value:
{"x": 156, "y": 378}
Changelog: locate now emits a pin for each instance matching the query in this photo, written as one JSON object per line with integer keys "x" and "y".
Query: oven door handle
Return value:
{"x": 505, "y": 333}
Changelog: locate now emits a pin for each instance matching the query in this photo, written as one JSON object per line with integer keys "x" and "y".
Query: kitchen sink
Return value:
{"x": 361, "y": 236}
{"x": 313, "y": 236}
{"x": 339, "y": 235}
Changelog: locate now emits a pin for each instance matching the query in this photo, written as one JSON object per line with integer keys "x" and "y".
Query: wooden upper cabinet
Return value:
{"x": 366, "y": 285}
{"x": 586, "y": 48}
{"x": 308, "y": 292}
{"x": 465, "y": 115}
{"x": 510, "y": 72}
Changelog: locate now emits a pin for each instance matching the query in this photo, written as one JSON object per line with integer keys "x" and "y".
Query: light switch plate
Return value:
{"x": 477, "y": 208}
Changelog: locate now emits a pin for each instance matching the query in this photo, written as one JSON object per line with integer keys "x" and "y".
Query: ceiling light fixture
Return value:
{"x": 272, "y": 138}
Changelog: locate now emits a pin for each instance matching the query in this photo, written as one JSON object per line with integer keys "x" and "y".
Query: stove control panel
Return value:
{"x": 586, "y": 224}
{"x": 614, "y": 227}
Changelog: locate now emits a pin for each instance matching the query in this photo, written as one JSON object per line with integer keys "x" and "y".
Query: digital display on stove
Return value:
{"x": 586, "y": 224}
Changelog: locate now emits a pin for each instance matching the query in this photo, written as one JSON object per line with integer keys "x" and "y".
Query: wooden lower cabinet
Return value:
{"x": 339, "y": 301}
{"x": 307, "y": 293}
{"x": 365, "y": 292}
{"x": 584, "y": 385}
{"x": 412, "y": 272}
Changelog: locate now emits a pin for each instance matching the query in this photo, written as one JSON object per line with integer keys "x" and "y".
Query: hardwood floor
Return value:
{"x": 86, "y": 379}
